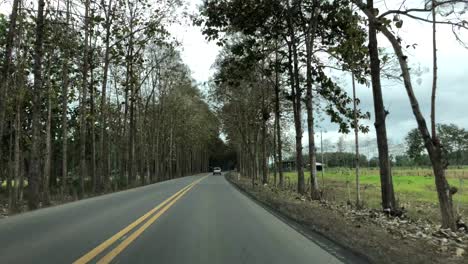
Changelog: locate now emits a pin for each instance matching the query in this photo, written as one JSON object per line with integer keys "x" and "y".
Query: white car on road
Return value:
{"x": 217, "y": 170}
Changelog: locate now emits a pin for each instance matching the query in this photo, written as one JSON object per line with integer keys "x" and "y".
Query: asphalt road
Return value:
{"x": 208, "y": 221}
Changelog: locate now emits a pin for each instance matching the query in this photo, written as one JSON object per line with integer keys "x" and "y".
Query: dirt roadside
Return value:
{"x": 371, "y": 234}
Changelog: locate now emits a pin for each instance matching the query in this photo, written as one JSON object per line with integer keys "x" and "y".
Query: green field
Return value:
{"x": 416, "y": 193}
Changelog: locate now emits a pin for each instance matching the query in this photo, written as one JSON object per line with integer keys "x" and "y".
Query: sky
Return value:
{"x": 452, "y": 100}
{"x": 197, "y": 53}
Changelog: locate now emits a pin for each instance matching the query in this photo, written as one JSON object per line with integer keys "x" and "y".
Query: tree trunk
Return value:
{"x": 171, "y": 143}
{"x": 265, "y": 117}
{"x": 103, "y": 153}
{"x": 275, "y": 157}
{"x": 83, "y": 112}
{"x": 65, "y": 85}
{"x": 34, "y": 170}
{"x": 124, "y": 143}
{"x": 298, "y": 123}
{"x": 279, "y": 143}
{"x": 95, "y": 176}
{"x": 17, "y": 162}
{"x": 296, "y": 93}
{"x": 434, "y": 71}
{"x": 131, "y": 153}
{"x": 356, "y": 142}
{"x": 433, "y": 146}
{"x": 310, "y": 30}
{"x": 48, "y": 150}
{"x": 388, "y": 196}
{"x": 264, "y": 153}
{"x": 5, "y": 72}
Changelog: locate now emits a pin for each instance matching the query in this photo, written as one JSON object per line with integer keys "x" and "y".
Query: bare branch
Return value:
{"x": 425, "y": 9}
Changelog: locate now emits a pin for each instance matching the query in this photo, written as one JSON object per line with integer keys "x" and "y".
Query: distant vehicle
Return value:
{"x": 217, "y": 170}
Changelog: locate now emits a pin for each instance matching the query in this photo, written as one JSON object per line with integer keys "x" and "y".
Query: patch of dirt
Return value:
{"x": 371, "y": 233}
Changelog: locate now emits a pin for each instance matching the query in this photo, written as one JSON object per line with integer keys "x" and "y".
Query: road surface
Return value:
{"x": 197, "y": 219}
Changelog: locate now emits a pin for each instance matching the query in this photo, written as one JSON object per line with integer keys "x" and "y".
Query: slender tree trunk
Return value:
{"x": 65, "y": 85}
{"x": 434, "y": 71}
{"x": 279, "y": 142}
{"x": 125, "y": 143}
{"x": 298, "y": 122}
{"x": 356, "y": 141}
{"x": 11, "y": 153}
{"x": 95, "y": 176}
{"x": 296, "y": 93}
{"x": 17, "y": 162}
{"x": 14, "y": 191}
{"x": 310, "y": 30}
{"x": 264, "y": 154}
{"x": 110, "y": 167}
{"x": 275, "y": 157}
{"x": 388, "y": 196}
{"x": 171, "y": 143}
{"x": 34, "y": 169}
{"x": 103, "y": 153}
{"x": 83, "y": 112}
{"x": 265, "y": 117}
{"x": 5, "y": 72}
{"x": 63, "y": 180}
{"x": 48, "y": 149}
{"x": 433, "y": 145}
{"x": 131, "y": 154}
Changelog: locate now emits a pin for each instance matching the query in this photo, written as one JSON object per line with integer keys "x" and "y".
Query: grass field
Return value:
{"x": 414, "y": 188}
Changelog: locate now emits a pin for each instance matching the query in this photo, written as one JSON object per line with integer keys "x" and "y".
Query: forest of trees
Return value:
{"x": 276, "y": 61}
{"x": 94, "y": 97}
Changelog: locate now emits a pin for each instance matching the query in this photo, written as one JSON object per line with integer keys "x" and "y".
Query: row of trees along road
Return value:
{"x": 453, "y": 138}
{"x": 275, "y": 59}
{"x": 94, "y": 97}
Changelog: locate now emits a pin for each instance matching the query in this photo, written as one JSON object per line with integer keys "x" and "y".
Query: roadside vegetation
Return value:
{"x": 415, "y": 189}
{"x": 94, "y": 98}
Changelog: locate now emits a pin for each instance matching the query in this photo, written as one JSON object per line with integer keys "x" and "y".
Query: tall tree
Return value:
{"x": 5, "y": 72}
{"x": 431, "y": 142}
{"x": 310, "y": 28}
{"x": 84, "y": 98}
{"x": 386, "y": 181}
{"x": 34, "y": 174}
{"x": 103, "y": 153}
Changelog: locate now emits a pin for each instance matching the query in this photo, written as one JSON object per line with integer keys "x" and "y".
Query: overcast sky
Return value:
{"x": 452, "y": 101}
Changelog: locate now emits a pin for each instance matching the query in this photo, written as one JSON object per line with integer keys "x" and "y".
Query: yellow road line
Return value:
{"x": 122, "y": 246}
{"x": 103, "y": 246}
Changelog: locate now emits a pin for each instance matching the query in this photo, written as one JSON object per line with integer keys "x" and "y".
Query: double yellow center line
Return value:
{"x": 123, "y": 245}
